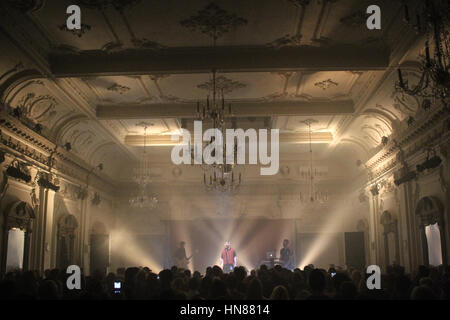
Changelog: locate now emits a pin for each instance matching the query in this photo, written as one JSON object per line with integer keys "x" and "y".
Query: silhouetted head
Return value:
{"x": 317, "y": 281}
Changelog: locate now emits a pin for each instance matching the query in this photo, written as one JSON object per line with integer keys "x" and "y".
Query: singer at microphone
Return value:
{"x": 228, "y": 258}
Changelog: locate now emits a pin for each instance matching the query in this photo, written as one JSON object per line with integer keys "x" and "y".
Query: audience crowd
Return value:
{"x": 139, "y": 283}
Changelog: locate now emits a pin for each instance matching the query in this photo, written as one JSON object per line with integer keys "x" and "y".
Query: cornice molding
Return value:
{"x": 19, "y": 140}
{"x": 416, "y": 138}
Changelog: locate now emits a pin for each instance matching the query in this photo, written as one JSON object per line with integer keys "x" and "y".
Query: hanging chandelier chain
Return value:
{"x": 434, "y": 82}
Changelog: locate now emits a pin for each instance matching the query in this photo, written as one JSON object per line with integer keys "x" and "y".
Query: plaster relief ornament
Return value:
{"x": 213, "y": 21}
{"x": 118, "y": 88}
{"x": 76, "y": 32}
{"x": 326, "y": 84}
{"x": 223, "y": 85}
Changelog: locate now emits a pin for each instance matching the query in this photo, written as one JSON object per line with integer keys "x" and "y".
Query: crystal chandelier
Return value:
{"x": 314, "y": 194}
{"x": 142, "y": 200}
{"x": 141, "y": 173}
{"x": 217, "y": 176}
{"x": 434, "y": 82}
{"x": 142, "y": 176}
{"x": 222, "y": 178}
{"x": 215, "y": 22}
{"x": 214, "y": 109}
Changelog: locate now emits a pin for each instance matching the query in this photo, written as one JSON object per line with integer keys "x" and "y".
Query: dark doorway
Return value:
{"x": 355, "y": 249}
{"x": 99, "y": 253}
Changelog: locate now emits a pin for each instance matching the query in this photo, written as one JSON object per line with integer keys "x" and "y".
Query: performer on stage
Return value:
{"x": 228, "y": 258}
{"x": 286, "y": 255}
{"x": 180, "y": 258}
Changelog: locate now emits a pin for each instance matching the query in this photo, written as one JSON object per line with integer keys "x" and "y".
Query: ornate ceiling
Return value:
{"x": 279, "y": 63}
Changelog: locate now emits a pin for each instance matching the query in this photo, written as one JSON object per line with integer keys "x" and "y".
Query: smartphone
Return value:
{"x": 117, "y": 286}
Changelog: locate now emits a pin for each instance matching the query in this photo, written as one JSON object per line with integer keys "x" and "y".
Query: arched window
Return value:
{"x": 65, "y": 250}
{"x": 429, "y": 210}
{"x": 16, "y": 236}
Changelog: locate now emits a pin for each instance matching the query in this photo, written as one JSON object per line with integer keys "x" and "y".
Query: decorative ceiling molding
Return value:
{"x": 94, "y": 4}
{"x": 223, "y": 84}
{"x": 115, "y": 87}
{"x": 355, "y": 19}
{"x": 121, "y": 5}
{"x": 36, "y": 149}
{"x": 18, "y": 66}
{"x": 77, "y": 32}
{"x": 26, "y": 5}
{"x": 326, "y": 84}
{"x": 213, "y": 21}
{"x": 286, "y": 41}
{"x": 299, "y": 3}
{"x": 415, "y": 138}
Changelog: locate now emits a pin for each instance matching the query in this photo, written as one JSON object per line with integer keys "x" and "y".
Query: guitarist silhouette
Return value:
{"x": 181, "y": 260}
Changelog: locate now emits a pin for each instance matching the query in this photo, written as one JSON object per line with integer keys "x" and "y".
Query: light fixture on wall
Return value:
{"x": 434, "y": 22}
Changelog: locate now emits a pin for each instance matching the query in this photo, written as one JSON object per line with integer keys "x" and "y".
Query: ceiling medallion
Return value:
{"x": 223, "y": 84}
{"x": 325, "y": 84}
{"x": 286, "y": 41}
{"x": 118, "y": 88}
{"x": 213, "y": 21}
{"x": 77, "y": 32}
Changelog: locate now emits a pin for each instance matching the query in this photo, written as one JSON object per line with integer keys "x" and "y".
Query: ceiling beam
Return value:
{"x": 239, "y": 109}
{"x": 223, "y": 59}
{"x": 165, "y": 140}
